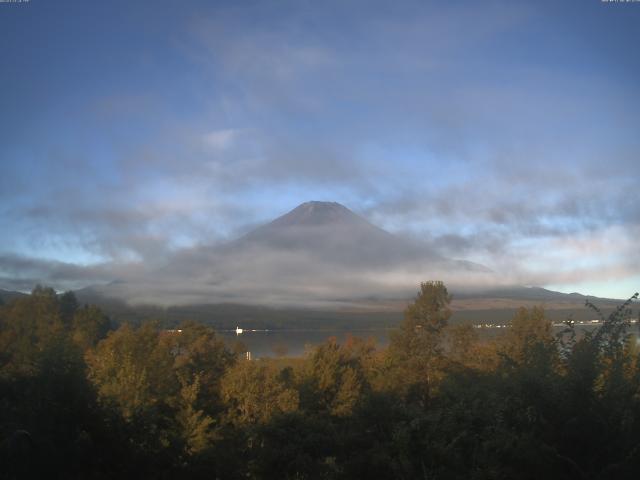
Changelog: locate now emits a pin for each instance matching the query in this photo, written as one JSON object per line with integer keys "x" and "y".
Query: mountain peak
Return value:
{"x": 318, "y": 226}
{"x": 317, "y": 213}
{"x": 319, "y": 205}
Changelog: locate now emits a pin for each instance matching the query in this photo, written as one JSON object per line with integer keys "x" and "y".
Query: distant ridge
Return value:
{"x": 9, "y": 295}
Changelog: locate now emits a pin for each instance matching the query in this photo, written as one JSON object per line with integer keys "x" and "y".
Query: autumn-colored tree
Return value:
{"x": 194, "y": 425}
{"x": 416, "y": 351}
{"x": 255, "y": 392}
{"x": 89, "y": 326}
{"x": 201, "y": 356}
{"x": 438, "y": 403}
{"x": 334, "y": 377}
{"x": 530, "y": 340}
{"x": 29, "y": 326}
{"x": 132, "y": 370}
{"x": 48, "y": 415}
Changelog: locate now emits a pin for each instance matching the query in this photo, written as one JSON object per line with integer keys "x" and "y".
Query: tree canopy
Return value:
{"x": 80, "y": 398}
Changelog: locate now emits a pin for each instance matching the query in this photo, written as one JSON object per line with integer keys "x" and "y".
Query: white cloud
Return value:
{"x": 220, "y": 139}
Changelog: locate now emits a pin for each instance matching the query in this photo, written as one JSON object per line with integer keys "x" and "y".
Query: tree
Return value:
{"x": 334, "y": 378}
{"x": 28, "y": 326}
{"x": 201, "y": 356}
{"x": 195, "y": 427}
{"x": 68, "y": 307}
{"x": 89, "y": 326}
{"x": 416, "y": 349}
{"x": 530, "y": 340}
{"x": 256, "y": 391}
{"x": 465, "y": 349}
{"x": 132, "y": 370}
{"x": 45, "y": 397}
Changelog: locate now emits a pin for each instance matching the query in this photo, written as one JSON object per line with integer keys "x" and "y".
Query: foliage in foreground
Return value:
{"x": 80, "y": 401}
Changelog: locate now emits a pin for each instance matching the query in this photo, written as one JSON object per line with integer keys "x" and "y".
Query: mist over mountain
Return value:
{"x": 331, "y": 233}
{"x": 318, "y": 254}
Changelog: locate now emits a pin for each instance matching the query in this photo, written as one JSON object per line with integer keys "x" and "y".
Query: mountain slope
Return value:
{"x": 330, "y": 233}
{"x": 319, "y": 253}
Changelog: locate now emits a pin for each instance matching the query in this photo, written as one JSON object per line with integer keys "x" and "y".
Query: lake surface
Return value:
{"x": 293, "y": 343}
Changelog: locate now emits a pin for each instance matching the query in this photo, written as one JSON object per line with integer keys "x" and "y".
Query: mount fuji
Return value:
{"x": 319, "y": 253}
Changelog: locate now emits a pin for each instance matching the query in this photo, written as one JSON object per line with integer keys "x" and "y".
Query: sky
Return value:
{"x": 505, "y": 133}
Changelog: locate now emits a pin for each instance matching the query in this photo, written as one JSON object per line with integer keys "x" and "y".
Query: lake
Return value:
{"x": 292, "y": 343}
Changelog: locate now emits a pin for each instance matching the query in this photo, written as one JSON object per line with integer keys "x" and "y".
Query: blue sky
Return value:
{"x": 505, "y": 133}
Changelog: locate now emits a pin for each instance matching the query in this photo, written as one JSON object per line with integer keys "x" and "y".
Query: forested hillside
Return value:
{"x": 82, "y": 399}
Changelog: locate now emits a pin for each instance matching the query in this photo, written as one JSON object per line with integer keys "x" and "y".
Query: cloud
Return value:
{"x": 220, "y": 139}
{"x": 269, "y": 276}
{"x": 487, "y": 132}
{"x": 23, "y": 273}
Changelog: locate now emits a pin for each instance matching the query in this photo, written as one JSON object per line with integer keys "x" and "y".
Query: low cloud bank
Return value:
{"x": 258, "y": 275}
